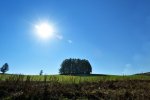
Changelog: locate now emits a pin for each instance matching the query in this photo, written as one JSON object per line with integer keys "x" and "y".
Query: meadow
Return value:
{"x": 67, "y": 87}
{"x": 74, "y": 78}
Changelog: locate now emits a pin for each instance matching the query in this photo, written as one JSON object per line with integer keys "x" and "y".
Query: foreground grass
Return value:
{"x": 54, "y": 87}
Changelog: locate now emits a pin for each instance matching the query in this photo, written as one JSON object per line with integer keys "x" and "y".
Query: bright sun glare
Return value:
{"x": 44, "y": 31}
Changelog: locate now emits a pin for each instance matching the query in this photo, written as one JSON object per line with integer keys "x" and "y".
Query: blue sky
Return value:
{"x": 114, "y": 35}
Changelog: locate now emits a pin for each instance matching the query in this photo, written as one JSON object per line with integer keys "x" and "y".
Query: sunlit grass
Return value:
{"x": 76, "y": 79}
{"x": 47, "y": 87}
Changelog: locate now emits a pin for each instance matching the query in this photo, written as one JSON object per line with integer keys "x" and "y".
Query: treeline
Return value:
{"x": 75, "y": 66}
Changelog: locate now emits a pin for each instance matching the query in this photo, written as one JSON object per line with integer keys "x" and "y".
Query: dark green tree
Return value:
{"x": 75, "y": 66}
{"x": 4, "y": 68}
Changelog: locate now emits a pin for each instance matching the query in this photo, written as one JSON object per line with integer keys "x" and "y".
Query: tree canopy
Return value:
{"x": 4, "y": 68}
{"x": 75, "y": 66}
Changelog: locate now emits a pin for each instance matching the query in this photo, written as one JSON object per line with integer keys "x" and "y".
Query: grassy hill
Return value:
{"x": 75, "y": 78}
{"x": 146, "y": 74}
{"x": 66, "y": 87}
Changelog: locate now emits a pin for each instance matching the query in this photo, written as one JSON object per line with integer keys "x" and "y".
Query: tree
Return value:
{"x": 4, "y": 68}
{"x": 41, "y": 72}
{"x": 75, "y": 66}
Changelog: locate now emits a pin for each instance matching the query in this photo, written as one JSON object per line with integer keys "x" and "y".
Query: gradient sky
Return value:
{"x": 114, "y": 35}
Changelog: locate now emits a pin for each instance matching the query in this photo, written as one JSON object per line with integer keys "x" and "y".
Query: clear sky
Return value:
{"x": 114, "y": 35}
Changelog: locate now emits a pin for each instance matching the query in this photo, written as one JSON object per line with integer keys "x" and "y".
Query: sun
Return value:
{"x": 44, "y": 31}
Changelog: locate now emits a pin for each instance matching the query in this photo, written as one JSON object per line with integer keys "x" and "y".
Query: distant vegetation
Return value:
{"x": 75, "y": 66}
{"x": 147, "y": 74}
{"x": 41, "y": 72}
{"x": 4, "y": 68}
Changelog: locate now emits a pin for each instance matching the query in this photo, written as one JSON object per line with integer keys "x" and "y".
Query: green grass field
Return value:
{"x": 67, "y": 87}
{"x": 75, "y": 79}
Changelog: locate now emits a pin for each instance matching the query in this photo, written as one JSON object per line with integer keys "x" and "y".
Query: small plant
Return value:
{"x": 41, "y": 72}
